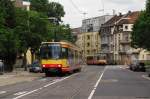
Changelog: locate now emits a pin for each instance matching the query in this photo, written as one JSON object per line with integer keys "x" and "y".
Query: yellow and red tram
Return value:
{"x": 98, "y": 59}
{"x": 62, "y": 57}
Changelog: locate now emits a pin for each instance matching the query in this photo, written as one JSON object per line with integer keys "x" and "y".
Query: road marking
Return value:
{"x": 7, "y": 76}
{"x": 20, "y": 93}
{"x": 30, "y": 92}
{"x": 43, "y": 79}
{"x": 3, "y": 92}
{"x": 146, "y": 77}
{"x": 95, "y": 86}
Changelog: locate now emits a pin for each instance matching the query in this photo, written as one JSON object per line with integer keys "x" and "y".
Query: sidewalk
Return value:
{"x": 18, "y": 76}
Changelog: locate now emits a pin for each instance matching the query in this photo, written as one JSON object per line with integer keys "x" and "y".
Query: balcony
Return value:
{"x": 125, "y": 41}
{"x": 123, "y": 51}
{"x": 136, "y": 51}
{"x": 104, "y": 43}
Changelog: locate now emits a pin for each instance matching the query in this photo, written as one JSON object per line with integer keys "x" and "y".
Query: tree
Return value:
{"x": 62, "y": 32}
{"x": 56, "y": 10}
{"x": 30, "y": 30}
{"x": 8, "y": 42}
{"x": 38, "y": 28}
{"x": 148, "y": 6}
{"x": 140, "y": 35}
{"x": 39, "y": 5}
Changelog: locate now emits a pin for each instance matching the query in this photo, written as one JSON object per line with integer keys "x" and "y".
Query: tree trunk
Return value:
{"x": 24, "y": 64}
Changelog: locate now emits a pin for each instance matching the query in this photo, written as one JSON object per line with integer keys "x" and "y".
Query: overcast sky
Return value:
{"x": 93, "y": 8}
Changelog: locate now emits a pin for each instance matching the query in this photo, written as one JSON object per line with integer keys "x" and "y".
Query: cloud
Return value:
{"x": 92, "y": 7}
{"x": 122, "y": 2}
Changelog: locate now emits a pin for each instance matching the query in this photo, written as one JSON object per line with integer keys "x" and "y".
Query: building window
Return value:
{"x": 88, "y": 51}
{"x": 126, "y": 27}
{"x": 88, "y": 44}
{"x": 88, "y": 37}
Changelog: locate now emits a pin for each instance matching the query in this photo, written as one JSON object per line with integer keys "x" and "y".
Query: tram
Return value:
{"x": 62, "y": 57}
{"x": 98, "y": 59}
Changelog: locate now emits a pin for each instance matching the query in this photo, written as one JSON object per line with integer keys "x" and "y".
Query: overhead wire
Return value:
{"x": 76, "y": 7}
{"x": 102, "y": 4}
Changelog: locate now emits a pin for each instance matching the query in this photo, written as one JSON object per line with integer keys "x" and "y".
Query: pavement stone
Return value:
{"x": 18, "y": 77}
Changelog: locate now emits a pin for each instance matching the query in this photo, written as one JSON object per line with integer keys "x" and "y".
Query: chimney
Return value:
{"x": 114, "y": 12}
{"x": 129, "y": 12}
{"x": 120, "y": 14}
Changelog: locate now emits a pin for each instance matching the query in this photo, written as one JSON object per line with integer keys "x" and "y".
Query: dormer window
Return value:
{"x": 126, "y": 27}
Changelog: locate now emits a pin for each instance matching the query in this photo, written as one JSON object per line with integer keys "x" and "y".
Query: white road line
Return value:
{"x": 146, "y": 77}
{"x": 20, "y": 93}
{"x": 30, "y": 92}
{"x": 3, "y": 92}
{"x": 95, "y": 86}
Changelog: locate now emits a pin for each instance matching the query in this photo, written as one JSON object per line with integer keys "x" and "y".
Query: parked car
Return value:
{"x": 137, "y": 66}
{"x": 35, "y": 67}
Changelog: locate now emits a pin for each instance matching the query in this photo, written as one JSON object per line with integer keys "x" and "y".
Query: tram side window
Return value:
{"x": 64, "y": 53}
{"x": 70, "y": 56}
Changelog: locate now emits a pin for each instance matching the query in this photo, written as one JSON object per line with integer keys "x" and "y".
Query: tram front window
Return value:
{"x": 50, "y": 51}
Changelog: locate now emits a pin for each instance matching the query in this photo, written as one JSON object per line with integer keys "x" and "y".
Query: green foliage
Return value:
{"x": 55, "y": 10}
{"x": 63, "y": 32}
{"x": 21, "y": 29}
{"x": 38, "y": 28}
{"x": 31, "y": 29}
{"x": 8, "y": 40}
{"x": 148, "y": 6}
{"x": 140, "y": 35}
{"x": 39, "y": 5}
{"x": 8, "y": 11}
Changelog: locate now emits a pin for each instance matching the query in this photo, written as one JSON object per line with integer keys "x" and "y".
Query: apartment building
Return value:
{"x": 116, "y": 39}
{"x": 89, "y": 38}
{"x": 94, "y": 24}
{"x": 89, "y": 43}
{"x": 107, "y": 41}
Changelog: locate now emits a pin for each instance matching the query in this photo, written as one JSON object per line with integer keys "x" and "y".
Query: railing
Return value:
{"x": 125, "y": 41}
{"x": 122, "y": 51}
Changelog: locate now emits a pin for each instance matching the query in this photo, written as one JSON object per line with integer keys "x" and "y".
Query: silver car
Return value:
{"x": 35, "y": 67}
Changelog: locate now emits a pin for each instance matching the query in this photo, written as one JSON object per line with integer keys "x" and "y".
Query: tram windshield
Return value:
{"x": 50, "y": 51}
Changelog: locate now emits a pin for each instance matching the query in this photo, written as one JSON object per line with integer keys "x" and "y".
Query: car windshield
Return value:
{"x": 50, "y": 51}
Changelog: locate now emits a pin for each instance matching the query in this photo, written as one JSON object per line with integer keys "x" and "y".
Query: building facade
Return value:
{"x": 89, "y": 43}
{"x": 89, "y": 38}
{"x": 116, "y": 39}
{"x": 94, "y": 24}
{"x": 107, "y": 39}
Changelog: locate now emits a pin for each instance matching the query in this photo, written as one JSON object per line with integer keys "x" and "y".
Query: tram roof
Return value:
{"x": 63, "y": 43}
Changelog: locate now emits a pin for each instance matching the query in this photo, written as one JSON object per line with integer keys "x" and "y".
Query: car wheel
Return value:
{"x": 134, "y": 69}
{"x": 130, "y": 68}
{"x": 143, "y": 70}
{"x": 149, "y": 75}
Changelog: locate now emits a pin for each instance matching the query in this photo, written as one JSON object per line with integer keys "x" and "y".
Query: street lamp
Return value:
{"x": 55, "y": 21}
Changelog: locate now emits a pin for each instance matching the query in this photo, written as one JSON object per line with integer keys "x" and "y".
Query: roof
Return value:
{"x": 63, "y": 43}
{"x": 129, "y": 18}
{"x": 112, "y": 21}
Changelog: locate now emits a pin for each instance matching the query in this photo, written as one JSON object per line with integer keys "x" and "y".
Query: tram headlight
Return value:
{"x": 59, "y": 65}
{"x": 43, "y": 65}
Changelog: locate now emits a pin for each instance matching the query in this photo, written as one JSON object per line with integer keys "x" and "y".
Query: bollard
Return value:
{"x": 1, "y": 67}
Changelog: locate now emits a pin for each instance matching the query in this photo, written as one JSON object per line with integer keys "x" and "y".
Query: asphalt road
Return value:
{"x": 93, "y": 82}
